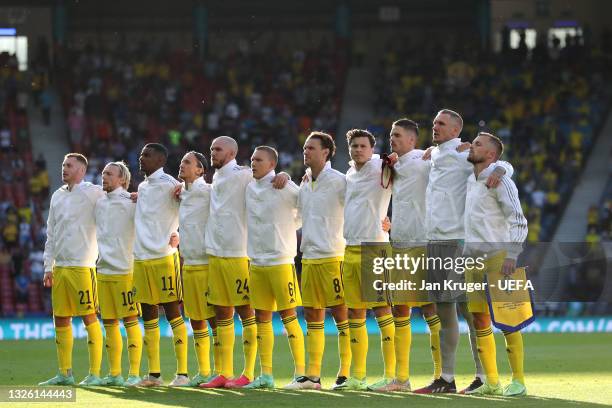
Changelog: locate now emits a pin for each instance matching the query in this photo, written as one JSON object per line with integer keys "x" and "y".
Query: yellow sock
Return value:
{"x": 344, "y": 348}
{"x": 359, "y": 347}
{"x": 63, "y": 343}
{"x": 295, "y": 335}
{"x": 151, "y": 343}
{"x": 201, "y": 340}
{"x": 114, "y": 348}
{"x": 434, "y": 343}
{"x": 387, "y": 342}
{"x": 179, "y": 336}
{"x": 95, "y": 344}
{"x": 249, "y": 346}
{"x": 216, "y": 353}
{"x": 403, "y": 340}
{"x": 315, "y": 340}
{"x": 227, "y": 337}
{"x": 265, "y": 345}
{"x": 487, "y": 354}
{"x": 134, "y": 342}
{"x": 516, "y": 355}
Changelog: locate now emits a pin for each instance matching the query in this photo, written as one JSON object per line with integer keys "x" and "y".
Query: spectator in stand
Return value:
{"x": 10, "y": 233}
{"x": 36, "y": 263}
{"x": 25, "y": 234}
{"x": 22, "y": 289}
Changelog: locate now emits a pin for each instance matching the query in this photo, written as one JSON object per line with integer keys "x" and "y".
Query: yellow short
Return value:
{"x": 274, "y": 287}
{"x": 322, "y": 283}
{"x": 411, "y": 298}
{"x": 195, "y": 296}
{"x": 116, "y": 297}
{"x": 228, "y": 281}
{"x": 74, "y": 291}
{"x": 477, "y": 300}
{"x": 158, "y": 280}
{"x": 351, "y": 277}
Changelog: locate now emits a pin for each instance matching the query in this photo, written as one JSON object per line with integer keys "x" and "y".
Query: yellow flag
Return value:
{"x": 510, "y": 300}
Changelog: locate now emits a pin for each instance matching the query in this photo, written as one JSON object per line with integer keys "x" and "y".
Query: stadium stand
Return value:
{"x": 599, "y": 218}
{"x": 116, "y": 101}
{"x": 23, "y": 194}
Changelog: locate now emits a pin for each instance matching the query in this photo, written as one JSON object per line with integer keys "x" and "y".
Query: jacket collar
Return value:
{"x": 268, "y": 177}
{"x": 156, "y": 174}
{"x": 450, "y": 144}
{"x": 227, "y": 167}
{"x": 116, "y": 192}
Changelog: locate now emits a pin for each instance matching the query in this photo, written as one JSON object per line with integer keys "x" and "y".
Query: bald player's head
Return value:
{"x": 223, "y": 150}
{"x": 447, "y": 125}
{"x": 486, "y": 148}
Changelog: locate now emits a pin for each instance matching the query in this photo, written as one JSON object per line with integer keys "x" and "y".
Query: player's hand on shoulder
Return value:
{"x": 495, "y": 177}
{"x": 427, "y": 154}
{"x": 48, "y": 279}
{"x": 176, "y": 193}
{"x": 174, "y": 240}
{"x": 280, "y": 180}
{"x": 134, "y": 196}
{"x": 386, "y": 224}
{"x": 463, "y": 147}
{"x": 393, "y": 158}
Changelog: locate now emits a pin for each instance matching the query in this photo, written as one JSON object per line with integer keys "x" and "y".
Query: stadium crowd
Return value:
{"x": 547, "y": 105}
{"x": 24, "y": 192}
{"x": 116, "y": 101}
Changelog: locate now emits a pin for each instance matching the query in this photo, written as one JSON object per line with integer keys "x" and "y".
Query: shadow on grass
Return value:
{"x": 191, "y": 397}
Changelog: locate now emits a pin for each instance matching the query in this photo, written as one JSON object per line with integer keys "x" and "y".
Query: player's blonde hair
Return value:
{"x": 124, "y": 173}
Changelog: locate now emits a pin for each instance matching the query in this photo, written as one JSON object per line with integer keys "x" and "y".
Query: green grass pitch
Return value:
{"x": 561, "y": 370}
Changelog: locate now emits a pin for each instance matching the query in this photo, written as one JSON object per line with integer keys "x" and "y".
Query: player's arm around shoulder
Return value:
{"x": 508, "y": 199}
{"x": 128, "y": 202}
{"x": 338, "y": 182}
{"x": 291, "y": 192}
{"x": 93, "y": 191}
{"x": 243, "y": 175}
{"x": 170, "y": 186}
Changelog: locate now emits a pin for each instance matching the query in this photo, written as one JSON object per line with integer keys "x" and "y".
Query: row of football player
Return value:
{"x": 441, "y": 196}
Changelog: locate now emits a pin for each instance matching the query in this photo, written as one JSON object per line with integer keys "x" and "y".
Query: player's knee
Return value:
{"x": 339, "y": 312}
{"x": 429, "y": 309}
{"x": 356, "y": 313}
{"x": 130, "y": 319}
{"x": 401, "y": 311}
{"x": 172, "y": 310}
{"x": 263, "y": 316}
{"x": 62, "y": 321}
{"x": 224, "y": 312}
{"x": 197, "y": 324}
{"x": 382, "y": 311}
{"x": 89, "y": 319}
{"x": 481, "y": 321}
{"x": 149, "y": 312}
{"x": 286, "y": 313}
{"x": 314, "y": 315}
